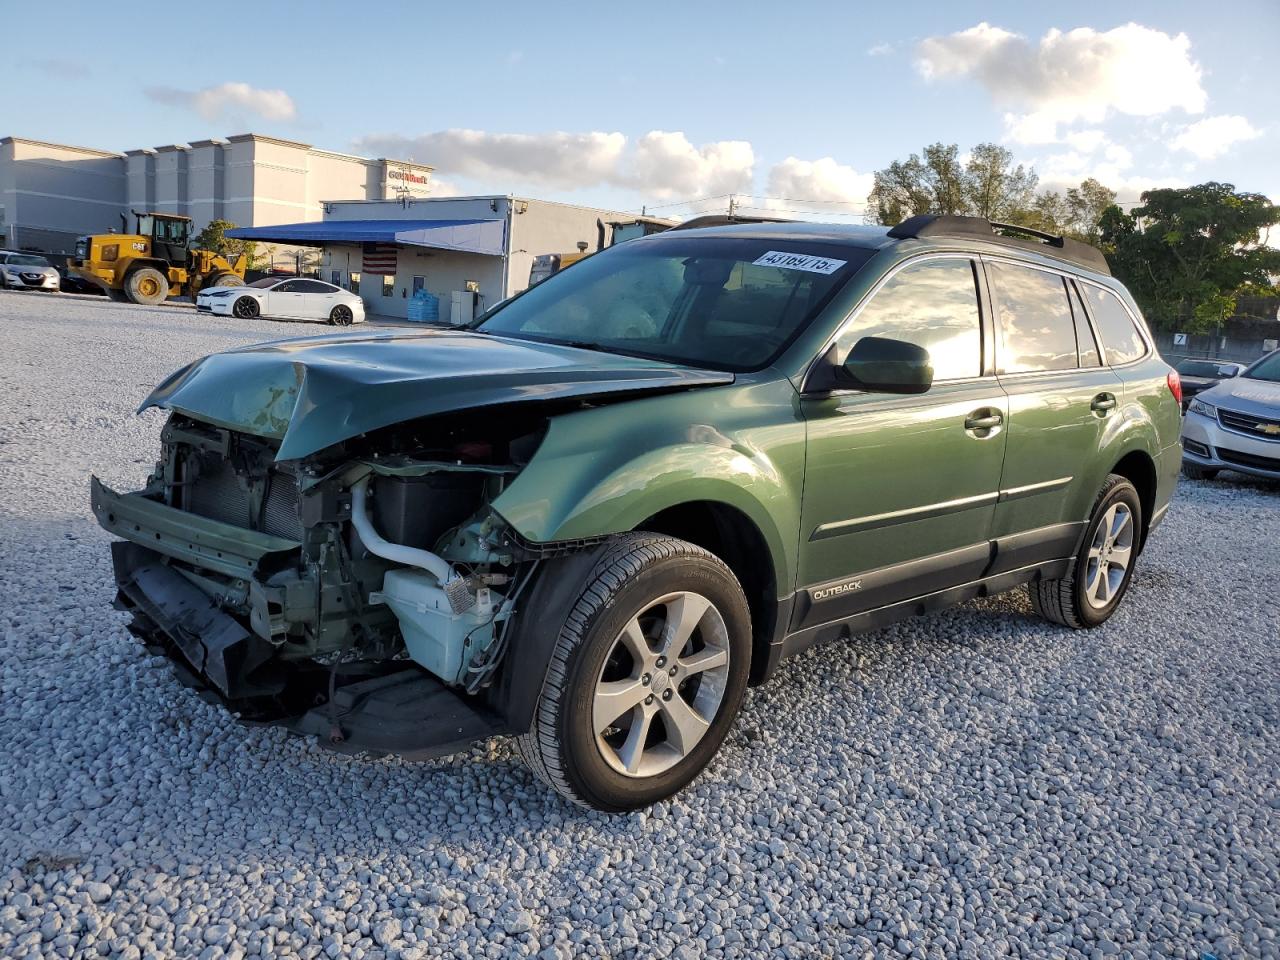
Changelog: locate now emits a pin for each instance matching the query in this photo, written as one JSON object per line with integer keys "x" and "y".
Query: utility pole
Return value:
{"x": 733, "y": 204}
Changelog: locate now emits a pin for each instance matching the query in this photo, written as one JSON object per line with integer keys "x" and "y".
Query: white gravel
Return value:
{"x": 975, "y": 783}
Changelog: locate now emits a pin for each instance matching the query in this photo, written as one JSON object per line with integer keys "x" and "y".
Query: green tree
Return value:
{"x": 1187, "y": 254}
{"x": 214, "y": 237}
{"x": 986, "y": 184}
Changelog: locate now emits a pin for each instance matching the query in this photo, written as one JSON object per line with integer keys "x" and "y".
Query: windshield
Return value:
{"x": 265, "y": 282}
{"x": 721, "y": 302}
{"x": 21, "y": 260}
{"x": 1202, "y": 368}
{"x": 1268, "y": 368}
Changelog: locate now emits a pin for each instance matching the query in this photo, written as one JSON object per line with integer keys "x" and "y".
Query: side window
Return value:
{"x": 1033, "y": 317}
{"x": 1121, "y": 341}
{"x": 1085, "y": 343}
{"x": 289, "y": 286}
{"x": 312, "y": 286}
{"x": 933, "y": 304}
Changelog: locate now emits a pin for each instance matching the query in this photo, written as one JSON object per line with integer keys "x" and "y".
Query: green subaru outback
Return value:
{"x": 592, "y": 519}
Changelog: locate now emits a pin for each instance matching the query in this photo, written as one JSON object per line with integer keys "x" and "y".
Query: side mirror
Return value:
{"x": 882, "y": 365}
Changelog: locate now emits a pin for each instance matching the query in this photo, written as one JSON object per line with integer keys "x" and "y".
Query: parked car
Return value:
{"x": 1197, "y": 375}
{"x": 625, "y": 494}
{"x": 27, "y": 271}
{"x": 1235, "y": 425}
{"x": 284, "y": 299}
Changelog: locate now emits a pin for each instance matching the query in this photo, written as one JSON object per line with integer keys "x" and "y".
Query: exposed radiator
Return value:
{"x": 218, "y": 494}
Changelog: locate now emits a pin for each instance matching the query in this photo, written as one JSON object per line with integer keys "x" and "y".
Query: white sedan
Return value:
{"x": 284, "y": 299}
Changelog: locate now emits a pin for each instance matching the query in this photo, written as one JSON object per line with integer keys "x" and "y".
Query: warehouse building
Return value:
{"x": 469, "y": 252}
{"x": 52, "y": 193}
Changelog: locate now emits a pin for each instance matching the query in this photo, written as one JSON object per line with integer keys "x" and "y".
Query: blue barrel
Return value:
{"x": 424, "y": 308}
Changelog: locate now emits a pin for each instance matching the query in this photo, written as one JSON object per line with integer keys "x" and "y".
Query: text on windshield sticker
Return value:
{"x": 799, "y": 261}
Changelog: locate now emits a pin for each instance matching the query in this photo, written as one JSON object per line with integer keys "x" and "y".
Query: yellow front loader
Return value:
{"x": 154, "y": 263}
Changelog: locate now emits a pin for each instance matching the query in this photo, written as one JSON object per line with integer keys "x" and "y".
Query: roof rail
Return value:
{"x": 941, "y": 226}
{"x": 721, "y": 220}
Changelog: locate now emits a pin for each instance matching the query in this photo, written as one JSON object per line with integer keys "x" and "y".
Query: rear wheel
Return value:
{"x": 341, "y": 316}
{"x": 1099, "y": 575}
{"x": 646, "y": 678}
{"x": 1193, "y": 471}
{"x": 147, "y": 285}
{"x": 246, "y": 308}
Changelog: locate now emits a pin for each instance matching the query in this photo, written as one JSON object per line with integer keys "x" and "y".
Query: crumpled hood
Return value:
{"x": 1245, "y": 395}
{"x": 318, "y": 391}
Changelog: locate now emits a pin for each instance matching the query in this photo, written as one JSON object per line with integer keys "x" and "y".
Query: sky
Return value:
{"x": 672, "y": 106}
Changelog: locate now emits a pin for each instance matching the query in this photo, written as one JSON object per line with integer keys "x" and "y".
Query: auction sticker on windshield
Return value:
{"x": 799, "y": 261}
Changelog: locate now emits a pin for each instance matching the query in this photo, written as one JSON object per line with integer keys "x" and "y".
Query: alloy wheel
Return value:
{"x": 341, "y": 316}
{"x": 246, "y": 308}
{"x": 1110, "y": 554}
{"x": 661, "y": 684}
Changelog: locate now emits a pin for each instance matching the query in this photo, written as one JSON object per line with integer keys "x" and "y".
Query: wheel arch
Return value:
{"x": 1138, "y": 467}
{"x": 733, "y": 537}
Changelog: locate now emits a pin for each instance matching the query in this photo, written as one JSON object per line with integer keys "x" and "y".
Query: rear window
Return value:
{"x": 1037, "y": 330}
{"x": 1121, "y": 341}
{"x": 1203, "y": 368}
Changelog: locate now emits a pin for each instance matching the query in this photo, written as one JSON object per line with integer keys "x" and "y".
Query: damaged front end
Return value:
{"x": 361, "y": 594}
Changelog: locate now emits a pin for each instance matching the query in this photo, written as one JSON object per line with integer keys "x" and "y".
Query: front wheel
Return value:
{"x": 245, "y": 308}
{"x": 1099, "y": 575}
{"x": 646, "y": 677}
{"x": 147, "y": 286}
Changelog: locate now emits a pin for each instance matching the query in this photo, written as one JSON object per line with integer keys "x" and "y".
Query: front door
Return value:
{"x": 286, "y": 300}
{"x": 1061, "y": 401}
{"x": 900, "y": 491}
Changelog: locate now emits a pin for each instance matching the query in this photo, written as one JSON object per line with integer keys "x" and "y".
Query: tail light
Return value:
{"x": 1175, "y": 385}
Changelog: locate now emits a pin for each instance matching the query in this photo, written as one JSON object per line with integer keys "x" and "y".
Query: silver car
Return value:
{"x": 1235, "y": 425}
{"x": 27, "y": 271}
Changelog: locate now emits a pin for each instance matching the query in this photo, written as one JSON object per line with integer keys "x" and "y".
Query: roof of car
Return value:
{"x": 929, "y": 227}
{"x": 857, "y": 235}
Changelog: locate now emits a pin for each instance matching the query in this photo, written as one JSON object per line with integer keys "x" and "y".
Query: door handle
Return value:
{"x": 983, "y": 422}
{"x": 1103, "y": 403}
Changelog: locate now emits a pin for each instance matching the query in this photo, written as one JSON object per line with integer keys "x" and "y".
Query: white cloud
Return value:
{"x": 1112, "y": 169}
{"x": 228, "y": 100}
{"x": 1086, "y": 141}
{"x": 821, "y": 180}
{"x": 669, "y": 165}
{"x": 1213, "y": 136}
{"x": 880, "y": 50}
{"x": 660, "y": 163}
{"x": 1080, "y": 75}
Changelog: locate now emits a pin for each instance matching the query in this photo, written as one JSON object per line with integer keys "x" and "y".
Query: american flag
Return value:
{"x": 380, "y": 258}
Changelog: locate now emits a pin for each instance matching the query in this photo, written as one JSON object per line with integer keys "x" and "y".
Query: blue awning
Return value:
{"x": 466, "y": 236}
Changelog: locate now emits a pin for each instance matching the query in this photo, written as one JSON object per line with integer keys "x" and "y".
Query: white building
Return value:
{"x": 52, "y": 193}
{"x": 452, "y": 247}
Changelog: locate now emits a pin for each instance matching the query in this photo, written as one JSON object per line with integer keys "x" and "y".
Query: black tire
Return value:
{"x": 1064, "y": 600}
{"x": 224, "y": 280}
{"x": 245, "y": 308}
{"x": 117, "y": 296}
{"x": 341, "y": 316}
{"x": 633, "y": 572}
{"x": 1193, "y": 471}
{"x": 147, "y": 286}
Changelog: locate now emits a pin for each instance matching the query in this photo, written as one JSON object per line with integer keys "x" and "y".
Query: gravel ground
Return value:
{"x": 974, "y": 783}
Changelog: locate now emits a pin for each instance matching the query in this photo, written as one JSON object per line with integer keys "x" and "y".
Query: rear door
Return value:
{"x": 1061, "y": 401}
{"x": 318, "y": 298}
{"x": 900, "y": 491}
